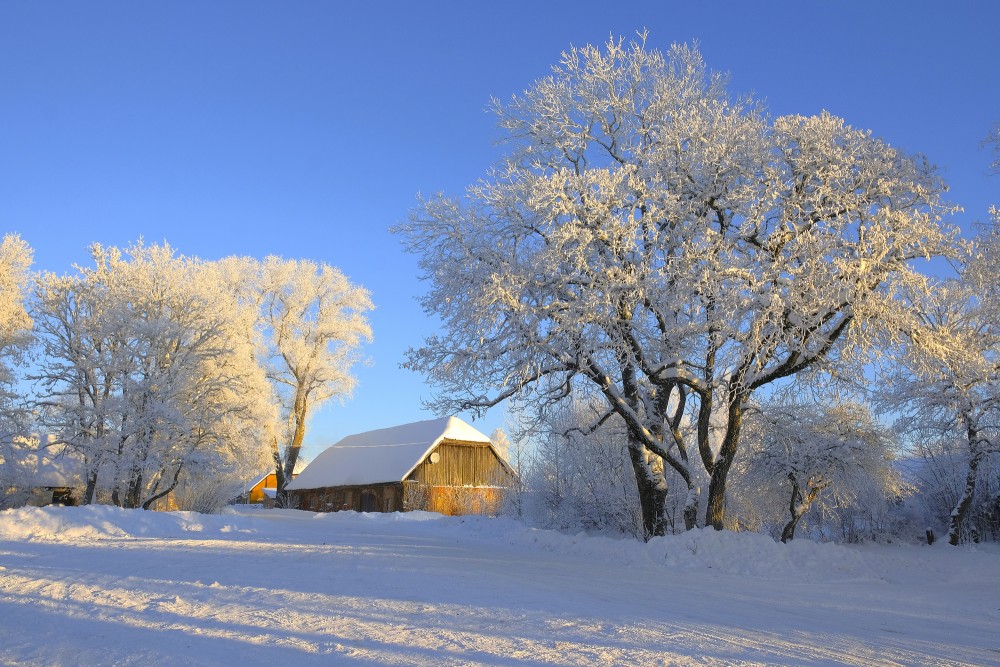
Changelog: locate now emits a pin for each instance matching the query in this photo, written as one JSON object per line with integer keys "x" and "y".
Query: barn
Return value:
{"x": 440, "y": 465}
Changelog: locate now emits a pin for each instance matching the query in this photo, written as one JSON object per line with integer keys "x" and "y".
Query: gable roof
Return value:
{"x": 58, "y": 471}
{"x": 45, "y": 465}
{"x": 385, "y": 455}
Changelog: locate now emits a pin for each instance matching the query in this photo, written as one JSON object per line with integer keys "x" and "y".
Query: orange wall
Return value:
{"x": 257, "y": 492}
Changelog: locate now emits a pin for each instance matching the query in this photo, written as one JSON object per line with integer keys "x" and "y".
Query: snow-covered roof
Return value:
{"x": 41, "y": 466}
{"x": 385, "y": 455}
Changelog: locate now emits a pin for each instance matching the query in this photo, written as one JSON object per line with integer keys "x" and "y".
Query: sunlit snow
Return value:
{"x": 99, "y": 585}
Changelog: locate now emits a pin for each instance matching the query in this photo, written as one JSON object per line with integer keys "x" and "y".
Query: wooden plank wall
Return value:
{"x": 462, "y": 464}
{"x": 383, "y": 498}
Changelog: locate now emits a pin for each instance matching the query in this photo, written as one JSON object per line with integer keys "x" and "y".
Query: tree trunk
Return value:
{"x": 173, "y": 485}
{"x": 798, "y": 504}
{"x": 965, "y": 502}
{"x": 652, "y": 493}
{"x": 715, "y": 515}
{"x": 788, "y": 532}
{"x": 691, "y": 508}
{"x": 134, "y": 492}
{"x": 91, "y": 488}
{"x": 292, "y": 454}
{"x": 279, "y": 469}
{"x": 795, "y": 511}
{"x": 131, "y": 500}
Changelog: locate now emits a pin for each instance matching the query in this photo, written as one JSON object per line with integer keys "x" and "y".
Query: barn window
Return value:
{"x": 369, "y": 502}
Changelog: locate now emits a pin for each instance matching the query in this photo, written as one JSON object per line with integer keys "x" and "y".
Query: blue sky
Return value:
{"x": 306, "y": 129}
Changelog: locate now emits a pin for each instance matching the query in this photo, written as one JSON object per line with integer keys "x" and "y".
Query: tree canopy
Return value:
{"x": 671, "y": 247}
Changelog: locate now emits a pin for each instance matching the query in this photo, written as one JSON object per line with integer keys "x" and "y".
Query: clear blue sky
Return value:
{"x": 306, "y": 129}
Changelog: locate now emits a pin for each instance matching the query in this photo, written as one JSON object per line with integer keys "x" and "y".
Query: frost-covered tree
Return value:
{"x": 147, "y": 371}
{"x": 946, "y": 384}
{"x": 581, "y": 479}
{"x": 939, "y": 469}
{"x": 15, "y": 334}
{"x": 311, "y": 321}
{"x": 15, "y": 323}
{"x": 77, "y": 380}
{"x": 670, "y": 247}
{"x": 800, "y": 457}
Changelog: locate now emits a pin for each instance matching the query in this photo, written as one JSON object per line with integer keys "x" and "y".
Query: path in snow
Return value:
{"x": 102, "y": 586}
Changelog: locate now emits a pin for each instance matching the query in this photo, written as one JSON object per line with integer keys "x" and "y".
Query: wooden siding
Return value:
{"x": 369, "y": 497}
{"x": 462, "y": 464}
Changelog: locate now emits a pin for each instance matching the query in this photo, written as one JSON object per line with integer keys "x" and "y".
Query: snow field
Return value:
{"x": 100, "y": 585}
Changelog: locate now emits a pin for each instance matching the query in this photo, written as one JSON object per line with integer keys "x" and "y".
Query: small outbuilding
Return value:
{"x": 264, "y": 489}
{"x": 440, "y": 465}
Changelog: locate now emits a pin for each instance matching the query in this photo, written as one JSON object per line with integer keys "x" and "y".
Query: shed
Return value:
{"x": 263, "y": 490}
{"x": 440, "y": 465}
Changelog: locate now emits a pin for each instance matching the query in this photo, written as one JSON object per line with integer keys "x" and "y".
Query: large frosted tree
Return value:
{"x": 671, "y": 247}
{"x": 311, "y": 321}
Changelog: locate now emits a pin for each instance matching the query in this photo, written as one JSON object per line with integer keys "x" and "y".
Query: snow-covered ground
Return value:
{"x": 101, "y": 586}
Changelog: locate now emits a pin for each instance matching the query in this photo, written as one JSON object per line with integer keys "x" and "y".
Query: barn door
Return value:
{"x": 369, "y": 502}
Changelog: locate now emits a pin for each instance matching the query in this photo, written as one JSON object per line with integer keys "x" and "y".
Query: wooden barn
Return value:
{"x": 440, "y": 465}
